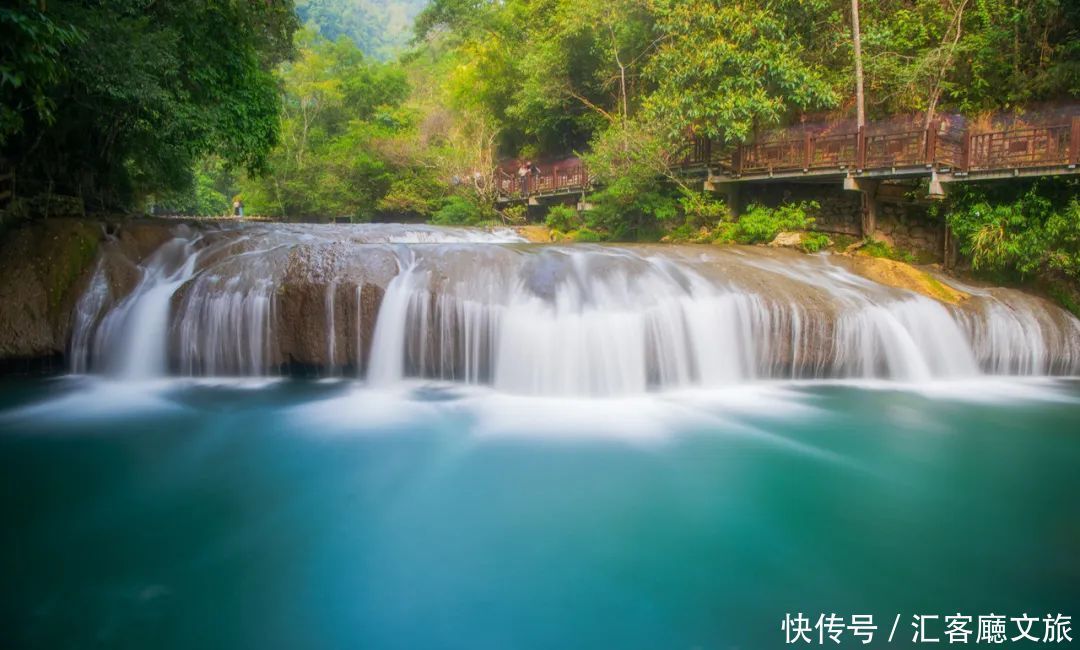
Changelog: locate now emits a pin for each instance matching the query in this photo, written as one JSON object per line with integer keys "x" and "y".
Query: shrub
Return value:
{"x": 701, "y": 215}
{"x": 1018, "y": 229}
{"x": 628, "y": 160}
{"x": 702, "y": 209}
{"x": 410, "y": 194}
{"x": 461, "y": 211}
{"x": 516, "y": 214}
{"x": 563, "y": 218}
{"x": 813, "y": 242}
{"x": 725, "y": 232}
{"x": 760, "y": 225}
{"x": 631, "y": 211}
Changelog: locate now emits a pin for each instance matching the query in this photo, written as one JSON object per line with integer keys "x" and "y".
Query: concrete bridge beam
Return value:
{"x": 730, "y": 192}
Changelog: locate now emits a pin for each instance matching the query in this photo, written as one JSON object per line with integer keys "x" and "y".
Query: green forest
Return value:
{"x": 362, "y": 110}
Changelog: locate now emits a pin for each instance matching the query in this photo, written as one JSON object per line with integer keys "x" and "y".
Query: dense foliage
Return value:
{"x": 337, "y": 110}
{"x": 724, "y": 68}
{"x": 30, "y": 65}
{"x": 119, "y": 99}
{"x": 1019, "y": 229}
{"x": 761, "y": 224}
{"x": 970, "y": 55}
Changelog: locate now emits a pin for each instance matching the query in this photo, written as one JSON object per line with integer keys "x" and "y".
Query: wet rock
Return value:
{"x": 326, "y": 305}
{"x": 43, "y": 267}
{"x": 137, "y": 239}
{"x": 790, "y": 240}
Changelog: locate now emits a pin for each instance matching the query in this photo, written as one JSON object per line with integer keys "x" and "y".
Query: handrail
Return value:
{"x": 876, "y": 149}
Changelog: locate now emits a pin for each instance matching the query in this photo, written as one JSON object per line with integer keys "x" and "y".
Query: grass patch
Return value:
{"x": 875, "y": 248}
{"x": 937, "y": 289}
{"x": 841, "y": 242}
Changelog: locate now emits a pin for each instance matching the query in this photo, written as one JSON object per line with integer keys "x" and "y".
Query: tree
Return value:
{"x": 150, "y": 89}
{"x": 970, "y": 55}
{"x": 725, "y": 68}
{"x": 338, "y": 106}
{"x": 30, "y": 48}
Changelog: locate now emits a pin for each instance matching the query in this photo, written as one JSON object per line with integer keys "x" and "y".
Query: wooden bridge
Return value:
{"x": 880, "y": 151}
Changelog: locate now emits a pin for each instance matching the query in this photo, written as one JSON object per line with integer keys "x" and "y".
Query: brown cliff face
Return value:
{"x": 46, "y": 265}
{"x": 42, "y": 269}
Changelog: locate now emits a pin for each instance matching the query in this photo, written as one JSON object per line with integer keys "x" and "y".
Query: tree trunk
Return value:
{"x": 944, "y": 65}
{"x": 856, "y": 37}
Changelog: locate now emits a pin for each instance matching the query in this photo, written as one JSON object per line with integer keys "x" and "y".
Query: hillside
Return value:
{"x": 379, "y": 28}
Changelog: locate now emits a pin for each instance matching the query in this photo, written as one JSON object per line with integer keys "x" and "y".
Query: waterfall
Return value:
{"x": 607, "y": 322}
{"x": 388, "y": 341}
{"x": 331, "y": 327}
{"x": 484, "y": 308}
{"x": 359, "y": 336}
{"x": 89, "y": 308}
{"x": 132, "y": 337}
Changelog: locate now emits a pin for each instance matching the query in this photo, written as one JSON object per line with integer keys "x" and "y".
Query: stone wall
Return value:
{"x": 901, "y": 222}
{"x": 909, "y": 228}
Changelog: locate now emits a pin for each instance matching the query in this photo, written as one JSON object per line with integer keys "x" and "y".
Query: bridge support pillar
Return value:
{"x": 731, "y": 194}
{"x": 870, "y": 206}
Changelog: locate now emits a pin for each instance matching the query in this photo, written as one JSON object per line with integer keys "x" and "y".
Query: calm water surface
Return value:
{"x": 327, "y": 515}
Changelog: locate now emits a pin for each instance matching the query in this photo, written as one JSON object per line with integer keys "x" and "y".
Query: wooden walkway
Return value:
{"x": 880, "y": 151}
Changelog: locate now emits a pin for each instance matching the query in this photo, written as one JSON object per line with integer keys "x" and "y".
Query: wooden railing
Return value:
{"x": 556, "y": 180}
{"x": 878, "y": 149}
{"x": 935, "y": 147}
{"x": 1035, "y": 147}
{"x": 768, "y": 157}
{"x": 833, "y": 150}
{"x": 892, "y": 150}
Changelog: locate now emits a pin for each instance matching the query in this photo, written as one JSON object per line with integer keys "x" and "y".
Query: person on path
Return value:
{"x": 523, "y": 178}
{"x": 534, "y": 172}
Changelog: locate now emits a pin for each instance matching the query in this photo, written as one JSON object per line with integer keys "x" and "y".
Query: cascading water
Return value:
{"x": 393, "y": 302}
{"x": 135, "y": 331}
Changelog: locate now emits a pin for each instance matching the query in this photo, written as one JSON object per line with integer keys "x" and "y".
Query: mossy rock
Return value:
{"x": 904, "y": 276}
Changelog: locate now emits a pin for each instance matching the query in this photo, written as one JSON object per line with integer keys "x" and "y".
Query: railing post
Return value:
{"x": 965, "y": 150}
{"x": 807, "y": 151}
{"x": 860, "y": 150}
{"x": 931, "y": 143}
{"x": 737, "y": 163}
{"x": 1074, "y": 141}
